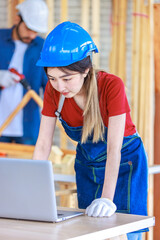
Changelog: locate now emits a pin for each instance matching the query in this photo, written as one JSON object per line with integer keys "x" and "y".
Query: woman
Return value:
{"x": 111, "y": 164}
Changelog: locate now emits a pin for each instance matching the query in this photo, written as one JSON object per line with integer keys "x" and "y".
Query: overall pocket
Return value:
{"x": 123, "y": 188}
{"x": 89, "y": 183}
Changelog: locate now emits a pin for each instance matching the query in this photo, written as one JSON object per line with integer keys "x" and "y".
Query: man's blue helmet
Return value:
{"x": 66, "y": 44}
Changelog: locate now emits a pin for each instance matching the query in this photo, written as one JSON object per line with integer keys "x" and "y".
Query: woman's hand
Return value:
{"x": 101, "y": 207}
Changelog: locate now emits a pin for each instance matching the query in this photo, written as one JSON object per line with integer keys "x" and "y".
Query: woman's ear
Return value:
{"x": 86, "y": 72}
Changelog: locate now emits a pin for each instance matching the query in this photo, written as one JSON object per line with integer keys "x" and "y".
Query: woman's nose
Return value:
{"x": 60, "y": 86}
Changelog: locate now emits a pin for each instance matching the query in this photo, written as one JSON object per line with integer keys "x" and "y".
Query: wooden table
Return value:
{"x": 78, "y": 228}
{"x": 82, "y": 227}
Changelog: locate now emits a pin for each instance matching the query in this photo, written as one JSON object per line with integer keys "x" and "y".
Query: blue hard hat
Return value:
{"x": 66, "y": 44}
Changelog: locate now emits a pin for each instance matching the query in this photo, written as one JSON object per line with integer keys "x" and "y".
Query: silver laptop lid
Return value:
{"x": 27, "y": 190}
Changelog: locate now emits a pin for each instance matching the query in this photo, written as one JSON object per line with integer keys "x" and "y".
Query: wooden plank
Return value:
{"x": 16, "y": 147}
{"x": 114, "y": 50}
{"x": 65, "y": 192}
{"x": 150, "y": 96}
{"x": 63, "y": 140}
{"x": 157, "y": 46}
{"x": 144, "y": 63}
{"x": 51, "y": 7}
{"x": 118, "y": 51}
{"x": 32, "y": 94}
{"x": 142, "y": 83}
{"x": 85, "y": 13}
{"x": 122, "y": 12}
{"x": 17, "y": 150}
{"x": 71, "y": 199}
{"x": 21, "y": 149}
{"x": 149, "y": 116}
{"x": 157, "y": 161}
{"x": 96, "y": 29}
{"x": 135, "y": 60}
{"x": 11, "y": 11}
{"x": 157, "y": 118}
{"x": 20, "y": 106}
{"x": 64, "y": 10}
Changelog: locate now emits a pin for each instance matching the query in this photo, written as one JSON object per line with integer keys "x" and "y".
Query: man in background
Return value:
{"x": 20, "y": 48}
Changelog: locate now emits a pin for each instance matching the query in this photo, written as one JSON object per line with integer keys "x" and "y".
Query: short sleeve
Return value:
{"x": 50, "y": 101}
{"x": 117, "y": 102}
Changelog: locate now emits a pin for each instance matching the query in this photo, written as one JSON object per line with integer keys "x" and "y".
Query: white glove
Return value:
{"x": 101, "y": 207}
{"x": 8, "y": 78}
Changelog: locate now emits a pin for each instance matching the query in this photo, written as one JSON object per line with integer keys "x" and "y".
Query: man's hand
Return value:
{"x": 8, "y": 78}
{"x": 101, "y": 207}
{"x": 18, "y": 77}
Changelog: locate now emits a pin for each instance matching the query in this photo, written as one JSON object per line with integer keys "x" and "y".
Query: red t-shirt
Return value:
{"x": 112, "y": 100}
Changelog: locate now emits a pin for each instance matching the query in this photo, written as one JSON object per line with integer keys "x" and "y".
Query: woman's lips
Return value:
{"x": 65, "y": 93}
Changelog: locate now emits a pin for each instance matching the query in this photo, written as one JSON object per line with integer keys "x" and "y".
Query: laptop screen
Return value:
{"x": 27, "y": 190}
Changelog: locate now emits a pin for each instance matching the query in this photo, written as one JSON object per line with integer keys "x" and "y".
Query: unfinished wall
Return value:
{"x": 74, "y": 15}
{"x": 3, "y": 13}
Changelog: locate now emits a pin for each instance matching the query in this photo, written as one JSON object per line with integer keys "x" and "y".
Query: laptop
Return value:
{"x": 27, "y": 191}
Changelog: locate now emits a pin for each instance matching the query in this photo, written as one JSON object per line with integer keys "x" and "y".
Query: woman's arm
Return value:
{"x": 45, "y": 138}
{"x": 115, "y": 136}
{"x": 104, "y": 206}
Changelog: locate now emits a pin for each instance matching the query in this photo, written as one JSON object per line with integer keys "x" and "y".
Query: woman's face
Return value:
{"x": 69, "y": 84}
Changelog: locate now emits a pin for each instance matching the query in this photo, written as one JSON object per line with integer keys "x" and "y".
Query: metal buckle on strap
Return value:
{"x": 61, "y": 102}
{"x": 58, "y": 114}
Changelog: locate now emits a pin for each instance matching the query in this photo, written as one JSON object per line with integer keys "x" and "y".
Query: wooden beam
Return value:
{"x": 51, "y": 7}
{"x": 85, "y": 7}
{"x": 114, "y": 50}
{"x": 64, "y": 17}
{"x": 157, "y": 118}
{"x": 144, "y": 46}
{"x": 11, "y": 11}
{"x": 136, "y": 59}
{"x": 121, "y": 41}
{"x": 31, "y": 94}
{"x": 17, "y": 150}
{"x": 22, "y": 104}
{"x": 64, "y": 10}
{"x": 96, "y": 29}
{"x": 142, "y": 82}
{"x": 118, "y": 51}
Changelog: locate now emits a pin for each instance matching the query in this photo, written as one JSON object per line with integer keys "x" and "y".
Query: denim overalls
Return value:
{"x": 131, "y": 190}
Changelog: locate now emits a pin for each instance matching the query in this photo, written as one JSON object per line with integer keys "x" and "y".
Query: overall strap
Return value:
{"x": 60, "y": 105}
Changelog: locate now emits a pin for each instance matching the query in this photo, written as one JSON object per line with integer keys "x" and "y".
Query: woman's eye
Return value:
{"x": 51, "y": 79}
{"x": 67, "y": 79}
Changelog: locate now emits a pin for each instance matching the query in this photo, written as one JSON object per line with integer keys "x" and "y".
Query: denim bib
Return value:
{"x": 131, "y": 189}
